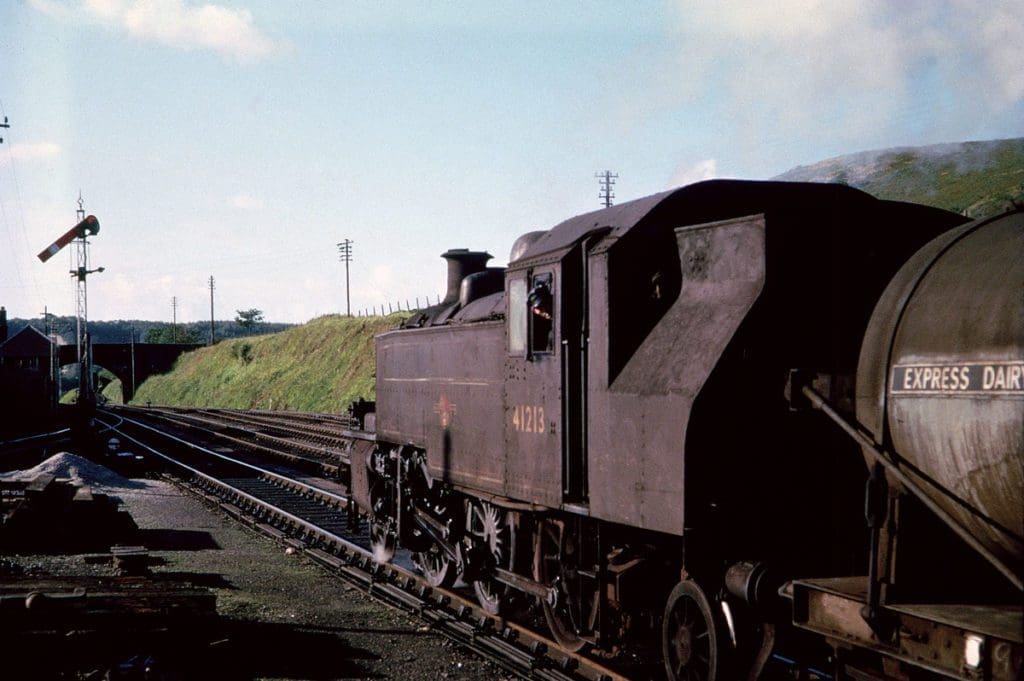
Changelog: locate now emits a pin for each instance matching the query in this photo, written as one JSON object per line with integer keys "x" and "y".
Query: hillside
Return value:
{"x": 321, "y": 366}
{"x": 977, "y": 179}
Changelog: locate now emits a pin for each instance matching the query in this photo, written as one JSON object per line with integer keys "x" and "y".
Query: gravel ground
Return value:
{"x": 285, "y": 617}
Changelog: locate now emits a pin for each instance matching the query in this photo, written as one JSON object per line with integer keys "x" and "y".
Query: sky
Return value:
{"x": 244, "y": 140}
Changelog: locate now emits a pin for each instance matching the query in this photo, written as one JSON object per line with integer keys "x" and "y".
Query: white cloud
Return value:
{"x": 688, "y": 174}
{"x": 382, "y": 287}
{"x": 231, "y": 33}
{"x": 850, "y": 73}
{"x": 245, "y": 202}
{"x": 382, "y": 278}
{"x": 52, "y": 9}
{"x": 999, "y": 38}
{"x": 791, "y": 66}
{"x": 33, "y": 152}
{"x": 148, "y": 298}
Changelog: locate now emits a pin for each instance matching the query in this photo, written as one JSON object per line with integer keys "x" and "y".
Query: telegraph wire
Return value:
{"x": 15, "y": 249}
{"x": 26, "y": 246}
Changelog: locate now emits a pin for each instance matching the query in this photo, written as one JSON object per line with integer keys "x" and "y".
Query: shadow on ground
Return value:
{"x": 176, "y": 540}
{"x": 254, "y": 650}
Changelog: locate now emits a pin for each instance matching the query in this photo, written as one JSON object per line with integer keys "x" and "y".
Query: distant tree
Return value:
{"x": 171, "y": 334}
{"x": 120, "y": 331}
{"x": 247, "y": 319}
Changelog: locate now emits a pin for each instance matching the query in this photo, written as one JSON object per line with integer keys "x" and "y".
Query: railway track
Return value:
{"x": 318, "y": 519}
{"x": 290, "y": 445}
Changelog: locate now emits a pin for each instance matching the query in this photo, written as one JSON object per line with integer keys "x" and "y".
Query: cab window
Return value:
{"x": 517, "y": 317}
{"x": 540, "y": 305}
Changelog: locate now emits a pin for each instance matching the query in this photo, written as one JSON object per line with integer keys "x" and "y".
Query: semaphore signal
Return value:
{"x": 89, "y": 226}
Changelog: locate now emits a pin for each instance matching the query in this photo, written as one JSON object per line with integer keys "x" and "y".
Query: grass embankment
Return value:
{"x": 320, "y": 367}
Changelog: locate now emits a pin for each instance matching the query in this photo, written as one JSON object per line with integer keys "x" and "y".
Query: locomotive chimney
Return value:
{"x": 462, "y": 262}
{"x": 3, "y": 324}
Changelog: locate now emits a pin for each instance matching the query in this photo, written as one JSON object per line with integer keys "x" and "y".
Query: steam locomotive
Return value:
{"x": 749, "y": 424}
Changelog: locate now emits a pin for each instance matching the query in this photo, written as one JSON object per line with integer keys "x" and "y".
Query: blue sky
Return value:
{"x": 244, "y": 139}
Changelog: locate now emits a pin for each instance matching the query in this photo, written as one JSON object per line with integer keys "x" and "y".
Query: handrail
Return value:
{"x": 879, "y": 456}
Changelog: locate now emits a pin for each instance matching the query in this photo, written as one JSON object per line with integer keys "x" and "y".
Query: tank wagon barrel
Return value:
{"x": 940, "y": 403}
{"x": 946, "y": 343}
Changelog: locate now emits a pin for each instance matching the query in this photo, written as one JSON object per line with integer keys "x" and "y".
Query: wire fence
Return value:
{"x": 385, "y": 309}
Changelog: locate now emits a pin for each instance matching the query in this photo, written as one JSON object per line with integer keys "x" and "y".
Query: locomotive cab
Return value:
{"x": 542, "y": 338}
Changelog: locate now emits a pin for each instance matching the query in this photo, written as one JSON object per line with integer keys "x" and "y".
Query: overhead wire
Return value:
{"x": 17, "y": 250}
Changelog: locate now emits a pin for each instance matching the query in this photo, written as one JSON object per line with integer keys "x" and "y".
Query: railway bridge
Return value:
{"x": 132, "y": 363}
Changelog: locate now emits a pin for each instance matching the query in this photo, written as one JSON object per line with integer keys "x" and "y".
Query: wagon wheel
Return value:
{"x": 556, "y": 562}
{"x": 689, "y": 636}
{"x": 490, "y": 526}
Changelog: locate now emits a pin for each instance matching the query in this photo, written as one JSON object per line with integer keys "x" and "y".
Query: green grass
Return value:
{"x": 321, "y": 366}
{"x": 976, "y": 189}
{"x": 976, "y": 179}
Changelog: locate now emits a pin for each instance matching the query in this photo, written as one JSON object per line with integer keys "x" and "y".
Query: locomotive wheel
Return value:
{"x": 556, "y": 562}
{"x": 689, "y": 636}
{"x": 490, "y": 526}
{"x": 433, "y": 561}
{"x": 382, "y": 539}
{"x": 436, "y": 566}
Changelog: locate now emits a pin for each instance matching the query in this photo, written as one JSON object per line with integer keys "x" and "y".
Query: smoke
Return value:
{"x": 688, "y": 174}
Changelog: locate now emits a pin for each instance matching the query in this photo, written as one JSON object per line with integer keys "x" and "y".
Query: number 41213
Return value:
{"x": 528, "y": 418}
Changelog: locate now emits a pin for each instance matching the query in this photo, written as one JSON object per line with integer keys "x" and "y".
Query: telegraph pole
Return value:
{"x": 174, "y": 319}
{"x": 211, "y": 310}
{"x": 133, "y": 362}
{"x": 607, "y": 181}
{"x": 54, "y": 397}
{"x": 345, "y": 255}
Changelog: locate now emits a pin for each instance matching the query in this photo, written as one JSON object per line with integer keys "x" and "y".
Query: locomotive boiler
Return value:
{"x": 625, "y": 425}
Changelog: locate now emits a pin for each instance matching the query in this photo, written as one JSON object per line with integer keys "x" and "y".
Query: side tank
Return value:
{"x": 941, "y": 376}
